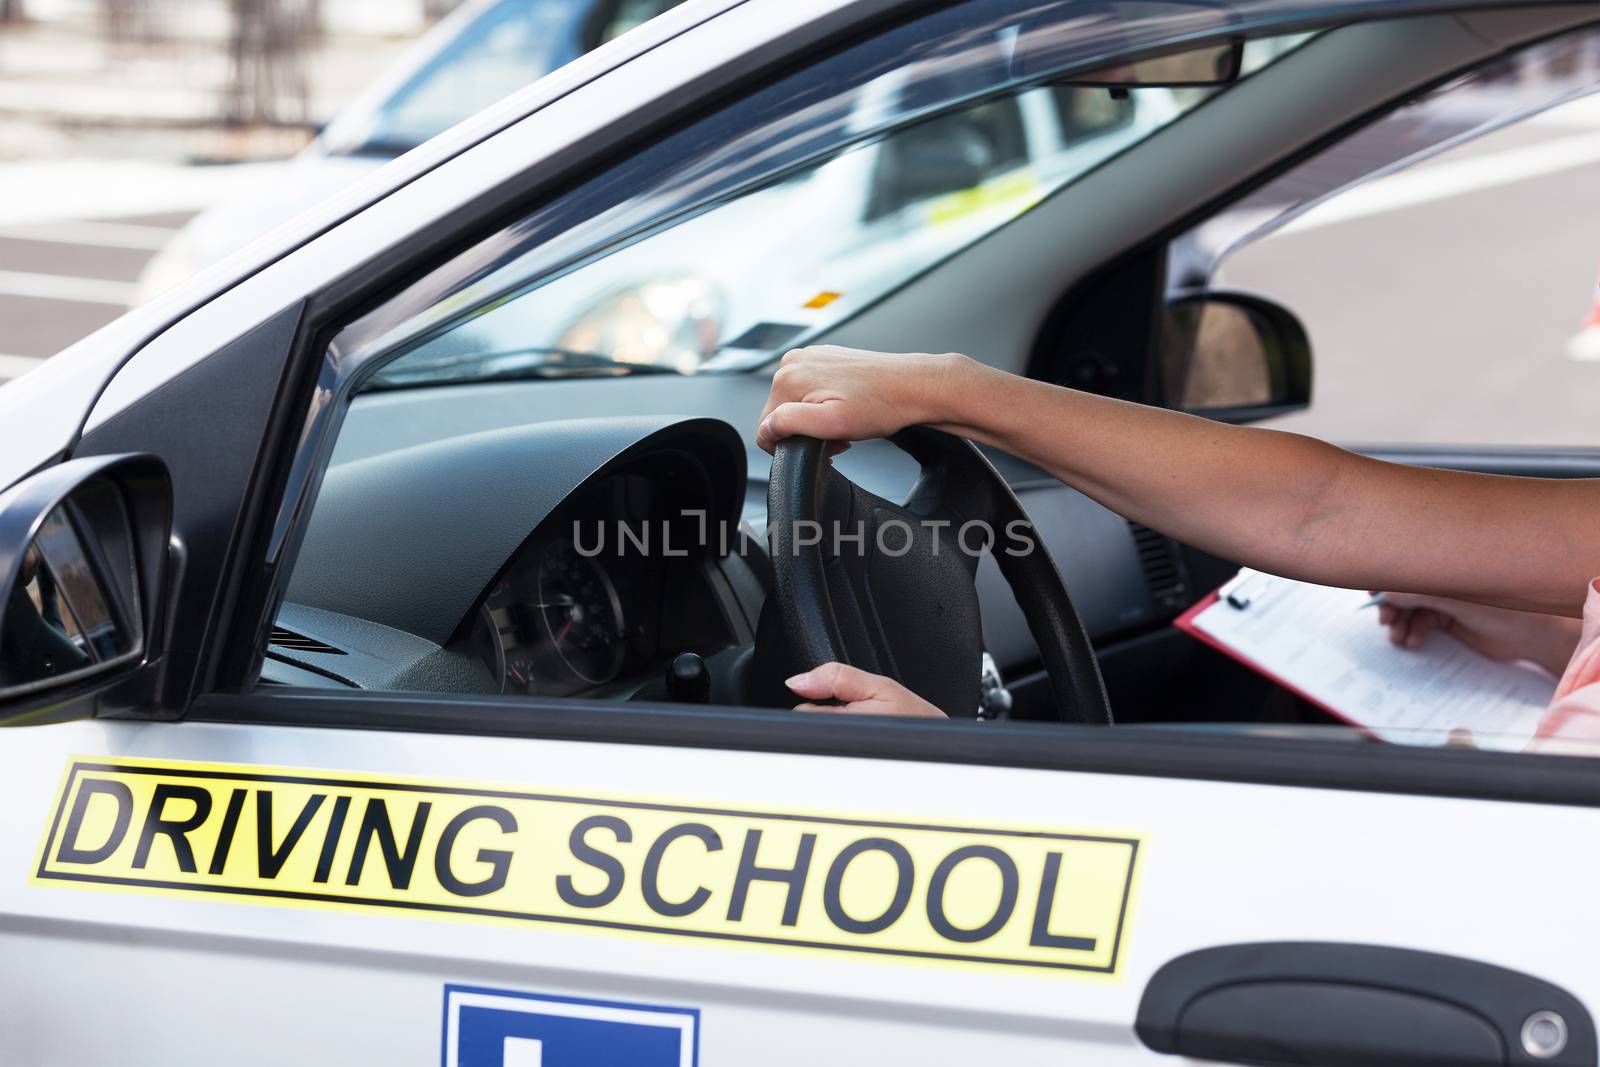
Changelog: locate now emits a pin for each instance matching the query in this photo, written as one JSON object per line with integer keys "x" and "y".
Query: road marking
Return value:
{"x": 36, "y": 191}
{"x": 17, "y": 366}
{"x": 1585, "y": 348}
{"x": 94, "y": 234}
{"x": 1444, "y": 180}
{"x": 63, "y": 287}
{"x": 521, "y": 1052}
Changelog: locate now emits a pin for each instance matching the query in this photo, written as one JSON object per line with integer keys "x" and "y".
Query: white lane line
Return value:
{"x": 17, "y": 366}
{"x": 1440, "y": 181}
{"x": 35, "y": 191}
{"x": 62, "y": 287}
{"x": 1585, "y": 348}
{"x": 94, "y": 234}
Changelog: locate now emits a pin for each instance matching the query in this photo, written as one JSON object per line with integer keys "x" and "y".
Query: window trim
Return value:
{"x": 1341, "y": 763}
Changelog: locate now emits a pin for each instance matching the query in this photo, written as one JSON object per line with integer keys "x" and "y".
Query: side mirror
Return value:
{"x": 82, "y": 546}
{"x": 1235, "y": 358}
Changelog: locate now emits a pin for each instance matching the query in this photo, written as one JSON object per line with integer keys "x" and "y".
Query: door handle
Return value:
{"x": 1324, "y": 1003}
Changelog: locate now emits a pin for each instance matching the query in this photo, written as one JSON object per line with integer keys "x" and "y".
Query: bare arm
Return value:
{"x": 1277, "y": 501}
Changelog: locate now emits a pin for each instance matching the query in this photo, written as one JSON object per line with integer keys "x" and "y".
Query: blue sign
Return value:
{"x": 505, "y": 1028}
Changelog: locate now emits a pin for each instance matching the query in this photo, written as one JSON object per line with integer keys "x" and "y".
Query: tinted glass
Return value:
{"x": 812, "y": 198}
{"x": 58, "y": 618}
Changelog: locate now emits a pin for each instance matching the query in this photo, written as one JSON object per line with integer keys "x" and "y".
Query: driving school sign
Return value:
{"x": 852, "y": 886}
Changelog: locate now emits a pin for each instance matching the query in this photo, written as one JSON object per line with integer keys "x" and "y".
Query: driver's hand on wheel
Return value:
{"x": 846, "y": 394}
{"x": 860, "y": 693}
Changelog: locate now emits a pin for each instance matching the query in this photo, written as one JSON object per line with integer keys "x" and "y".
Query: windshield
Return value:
{"x": 494, "y": 52}
{"x": 709, "y": 294}
{"x": 730, "y": 283}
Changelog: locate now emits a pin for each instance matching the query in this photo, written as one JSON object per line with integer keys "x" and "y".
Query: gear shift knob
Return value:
{"x": 688, "y": 680}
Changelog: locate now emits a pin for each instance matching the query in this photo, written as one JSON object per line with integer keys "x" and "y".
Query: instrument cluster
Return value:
{"x": 579, "y": 608}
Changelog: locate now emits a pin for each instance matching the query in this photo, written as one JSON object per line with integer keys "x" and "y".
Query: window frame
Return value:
{"x": 1336, "y": 762}
{"x": 289, "y": 476}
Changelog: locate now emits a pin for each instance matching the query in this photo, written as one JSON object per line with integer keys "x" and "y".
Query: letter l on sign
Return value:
{"x": 522, "y": 1052}
{"x": 510, "y": 1028}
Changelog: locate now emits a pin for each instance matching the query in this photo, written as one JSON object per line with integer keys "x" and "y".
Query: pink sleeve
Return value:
{"x": 1575, "y": 712}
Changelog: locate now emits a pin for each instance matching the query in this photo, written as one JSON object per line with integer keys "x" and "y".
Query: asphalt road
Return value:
{"x": 1440, "y": 304}
{"x": 1449, "y": 319}
{"x": 61, "y": 280}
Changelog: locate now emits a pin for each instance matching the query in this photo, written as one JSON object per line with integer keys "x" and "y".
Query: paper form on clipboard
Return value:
{"x": 1325, "y": 645}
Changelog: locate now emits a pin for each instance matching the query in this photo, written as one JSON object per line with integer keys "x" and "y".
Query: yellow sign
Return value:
{"x": 984, "y": 896}
{"x": 1017, "y": 191}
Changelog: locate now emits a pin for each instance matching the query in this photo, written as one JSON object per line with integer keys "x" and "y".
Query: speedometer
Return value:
{"x": 581, "y": 614}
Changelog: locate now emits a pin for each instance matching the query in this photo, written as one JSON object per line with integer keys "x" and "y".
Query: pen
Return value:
{"x": 1237, "y": 598}
{"x": 1378, "y": 600}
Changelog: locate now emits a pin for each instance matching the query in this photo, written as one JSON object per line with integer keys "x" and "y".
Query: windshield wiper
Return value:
{"x": 517, "y": 365}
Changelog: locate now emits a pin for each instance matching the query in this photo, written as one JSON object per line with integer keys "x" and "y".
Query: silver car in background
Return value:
{"x": 482, "y": 52}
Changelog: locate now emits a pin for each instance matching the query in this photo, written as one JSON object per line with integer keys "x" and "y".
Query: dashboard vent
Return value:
{"x": 301, "y": 643}
{"x": 1163, "y": 570}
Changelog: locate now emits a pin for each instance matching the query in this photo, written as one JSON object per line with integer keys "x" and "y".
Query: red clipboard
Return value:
{"x": 1185, "y": 622}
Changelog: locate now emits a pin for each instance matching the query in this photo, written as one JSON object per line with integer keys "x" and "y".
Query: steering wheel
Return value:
{"x": 891, "y": 588}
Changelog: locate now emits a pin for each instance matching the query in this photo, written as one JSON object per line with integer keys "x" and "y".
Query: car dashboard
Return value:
{"x": 612, "y": 585}
{"x": 551, "y": 556}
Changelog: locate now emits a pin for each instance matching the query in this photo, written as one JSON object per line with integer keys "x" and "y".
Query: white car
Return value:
{"x": 483, "y": 51}
{"x": 700, "y": 296}
{"x": 338, "y": 735}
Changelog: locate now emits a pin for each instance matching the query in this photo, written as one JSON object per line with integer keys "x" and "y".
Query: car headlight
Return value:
{"x": 670, "y": 322}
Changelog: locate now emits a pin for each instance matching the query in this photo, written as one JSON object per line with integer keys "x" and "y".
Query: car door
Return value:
{"x": 234, "y": 872}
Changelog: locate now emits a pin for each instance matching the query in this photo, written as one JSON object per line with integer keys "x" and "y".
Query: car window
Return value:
{"x": 831, "y": 238}
{"x": 1452, "y": 300}
{"x": 947, "y": 155}
{"x": 1086, "y": 113}
{"x": 698, "y": 257}
{"x": 721, "y": 251}
{"x": 781, "y": 216}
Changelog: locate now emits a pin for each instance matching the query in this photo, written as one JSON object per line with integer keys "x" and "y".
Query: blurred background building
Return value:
{"x": 120, "y": 119}
{"x": 206, "y": 79}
